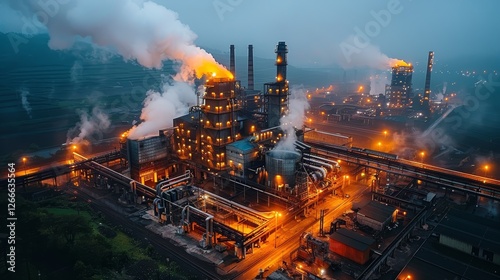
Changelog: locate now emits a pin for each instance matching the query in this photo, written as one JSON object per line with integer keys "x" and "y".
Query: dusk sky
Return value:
{"x": 315, "y": 31}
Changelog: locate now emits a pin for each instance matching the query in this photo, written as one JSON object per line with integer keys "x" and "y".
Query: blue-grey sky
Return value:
{"x": 316, "y": 30}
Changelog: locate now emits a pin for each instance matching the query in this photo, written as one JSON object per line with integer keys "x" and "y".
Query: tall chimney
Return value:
{"x": 427, "y": 91}
{"x": 281, "y": 62}
{"x": 231, "y": 60}
{"x": 250, "y": 67}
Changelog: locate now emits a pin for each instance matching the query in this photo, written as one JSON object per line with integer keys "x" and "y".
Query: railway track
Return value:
{"x": 198, "y": 268}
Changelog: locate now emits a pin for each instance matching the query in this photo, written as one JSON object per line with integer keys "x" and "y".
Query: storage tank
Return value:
{"x": 281, "y": 166}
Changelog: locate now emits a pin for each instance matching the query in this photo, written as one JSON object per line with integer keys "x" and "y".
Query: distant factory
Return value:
{"x": 399, "y": 92}
{"x": 400, "y": 95}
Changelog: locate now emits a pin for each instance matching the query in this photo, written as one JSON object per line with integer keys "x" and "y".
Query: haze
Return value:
{"x": 315, "y": 31}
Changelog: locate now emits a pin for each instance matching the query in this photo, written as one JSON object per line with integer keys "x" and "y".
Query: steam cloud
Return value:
{"x": 368, "y": 56}
{"x": 24, "y": 101}
{"x": 89, "y": 126}
{"x": 294, "y": 118}
{"x": 160, "y": 108}
{"x": 138, "y": 30}
{"x": 378, "y": 83}
{"x": 440, "y": 95}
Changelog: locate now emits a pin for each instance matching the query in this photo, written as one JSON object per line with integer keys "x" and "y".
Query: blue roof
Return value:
{"x": 243, "y": 145}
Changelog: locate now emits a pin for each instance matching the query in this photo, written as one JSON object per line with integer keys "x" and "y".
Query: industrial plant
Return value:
{"x": 247, "y": 171}
{"x": 232, "y": 137}
{"x": 233, "y": 134}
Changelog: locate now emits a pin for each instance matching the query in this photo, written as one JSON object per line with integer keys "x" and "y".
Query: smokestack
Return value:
{"x": 250, "y": 67}
{"x": 281, "y": 62}
{"x": 231, "y": 60}
{"x": 427, "y": 92}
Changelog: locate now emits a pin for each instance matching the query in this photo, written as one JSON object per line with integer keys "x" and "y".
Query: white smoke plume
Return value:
{"x": 160, "y": 108}
{"x": 76, "y": 71}
{"x": 89, "y": 126}
{"x": 24, "y": 101}
{"x": 138, "y": 30}
{"x": 295, "y": 117}
{"x": 378, "y": 83}
{"x": 351, "y": 56}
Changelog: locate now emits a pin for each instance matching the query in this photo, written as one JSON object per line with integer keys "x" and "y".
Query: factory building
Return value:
{"x": 232, "y": 133}
{"x": 148, "y": 158}
{"x": 351, "y": 245}
{"x": 398, "y": 94}
{"x": 240, "y": 156}
{"x": 376, "y": 215}
{"x": 219, "y": 122}
{"x": 471, "y": 235}
{"x": 186, "y": 136}
{"x": 467, "y": 237}
{"x": 227, "y": 114}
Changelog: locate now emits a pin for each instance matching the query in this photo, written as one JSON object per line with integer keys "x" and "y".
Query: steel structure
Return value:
{"x": 276, "y": 93}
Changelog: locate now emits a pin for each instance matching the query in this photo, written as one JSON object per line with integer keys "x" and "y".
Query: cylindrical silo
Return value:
{"x": 281, "y": 166}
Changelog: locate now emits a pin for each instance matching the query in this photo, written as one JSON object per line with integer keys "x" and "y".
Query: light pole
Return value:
{"x": 385, "y": 134}
{"x": 422, "y": 154}
{"x": 317, "y": 200}
{"x": 276, "y": 214}
{"x": 205, "y": 202}
{"x": 24, "y": 165}
{"x": 486, "y": 168}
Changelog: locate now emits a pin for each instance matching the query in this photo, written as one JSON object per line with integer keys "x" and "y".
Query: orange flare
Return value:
{"x": 398, "y": 62}
{"x": 212, "y": 69}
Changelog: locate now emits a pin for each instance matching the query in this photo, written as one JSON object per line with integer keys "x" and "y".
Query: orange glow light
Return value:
{"x": 211, "y": 69}
{"x": 398, "y": 63}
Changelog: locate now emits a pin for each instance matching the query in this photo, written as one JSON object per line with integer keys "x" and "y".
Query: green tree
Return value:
{"x": 69, "y": 226}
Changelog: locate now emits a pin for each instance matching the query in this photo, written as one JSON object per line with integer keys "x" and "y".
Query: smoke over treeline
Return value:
{"x": 160, "y": 108}
{"x": 90, "y": 126}
{"x": 24, "y": 101}
{"x": 138, "y": 30}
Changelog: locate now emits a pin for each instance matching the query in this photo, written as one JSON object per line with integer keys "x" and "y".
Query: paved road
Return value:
{"x": 288, "y": 237}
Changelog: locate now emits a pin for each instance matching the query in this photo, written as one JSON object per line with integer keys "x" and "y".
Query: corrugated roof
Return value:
{"x": 377, "y": 211}
{"x": 471, "y": 232}
{"x": 352, "y": 239}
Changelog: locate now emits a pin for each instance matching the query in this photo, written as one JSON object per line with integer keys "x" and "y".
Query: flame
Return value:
{"x": 212, "y": 69}
{"x": 196, "y": 62}
{"x": 393, "y": 62}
